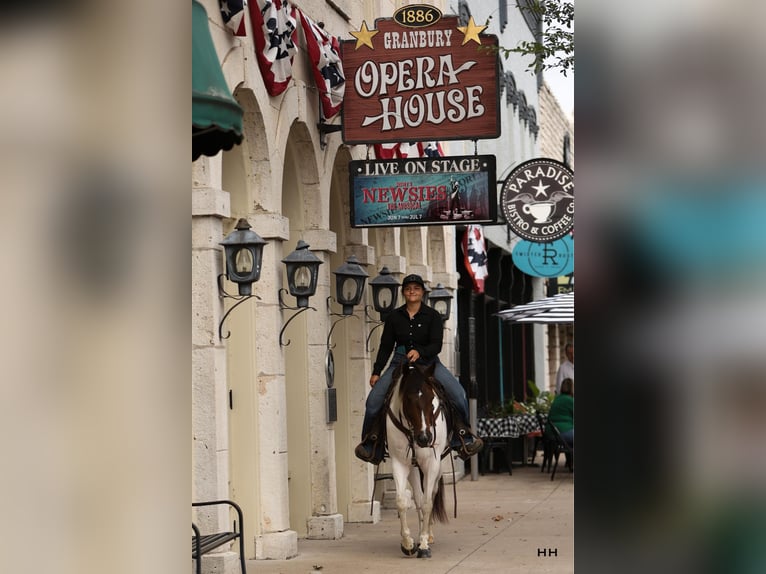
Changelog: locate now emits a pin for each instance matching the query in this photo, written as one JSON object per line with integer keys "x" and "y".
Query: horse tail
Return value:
{"x": 439, "y": 509}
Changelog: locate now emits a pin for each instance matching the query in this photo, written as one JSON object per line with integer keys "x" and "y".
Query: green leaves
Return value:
{"x": 555, "y": 49}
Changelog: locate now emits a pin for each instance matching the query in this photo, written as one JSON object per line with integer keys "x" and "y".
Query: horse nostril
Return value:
{"x": 423, "y": 439}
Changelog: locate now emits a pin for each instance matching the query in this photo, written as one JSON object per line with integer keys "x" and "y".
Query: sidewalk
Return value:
{"x": 502, "y": 521}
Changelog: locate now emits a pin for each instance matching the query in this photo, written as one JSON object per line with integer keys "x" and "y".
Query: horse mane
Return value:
{"x": 427, "y": 374}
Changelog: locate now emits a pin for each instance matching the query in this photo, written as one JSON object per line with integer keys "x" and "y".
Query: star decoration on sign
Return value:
{"x": 470, "y": 32}
{"x": 540, "y": 188}
{"x": 364, "y": 36}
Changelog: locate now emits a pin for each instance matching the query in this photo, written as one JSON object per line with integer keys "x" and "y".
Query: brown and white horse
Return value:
{"x": 416, "y": 428}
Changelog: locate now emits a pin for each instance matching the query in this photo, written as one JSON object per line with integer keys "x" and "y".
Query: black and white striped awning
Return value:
{"x": 556, "y": 309}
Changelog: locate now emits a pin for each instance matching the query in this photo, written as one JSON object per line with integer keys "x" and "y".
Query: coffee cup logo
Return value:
{"x": 541, "y": 210}
{"x": 537, "y": 200}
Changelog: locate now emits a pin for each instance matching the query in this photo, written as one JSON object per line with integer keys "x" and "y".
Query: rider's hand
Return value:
{"x": 374, "y": 379}
{"x": 412, "y": 355}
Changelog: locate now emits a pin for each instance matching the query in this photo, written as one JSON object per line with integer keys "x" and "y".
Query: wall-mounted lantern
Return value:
{"x": 349, "y": 284}
{"x": 243, "y": 253}
{"x": 302, "y": 272}
{"x": 441, "y": 300}
{"x": 385, "y": 294}
{"x": 349, "y": 288}
{"x": 302, "y": 268}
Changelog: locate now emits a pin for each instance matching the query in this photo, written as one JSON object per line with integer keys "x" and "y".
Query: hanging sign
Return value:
{"x": 423, "y": 191}
{"x": 537, "y": 200}
{"x": 419, "y": 76}
{"x": 549, "y": 259}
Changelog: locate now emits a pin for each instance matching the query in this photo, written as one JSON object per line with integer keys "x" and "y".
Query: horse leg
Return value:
{"x": 417, "y": 494}
{"x": 402, "y": 502}
{"x": 431, "y": 467}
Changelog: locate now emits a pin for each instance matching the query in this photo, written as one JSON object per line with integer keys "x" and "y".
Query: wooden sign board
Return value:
{"x": 421, "y": 81}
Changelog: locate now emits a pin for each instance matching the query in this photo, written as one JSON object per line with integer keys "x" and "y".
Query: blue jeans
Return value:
{"x": 568, "y": 437}
{"x": 377, "y": 396}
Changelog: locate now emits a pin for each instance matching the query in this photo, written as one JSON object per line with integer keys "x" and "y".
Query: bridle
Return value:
{"x": 404, "y": 425}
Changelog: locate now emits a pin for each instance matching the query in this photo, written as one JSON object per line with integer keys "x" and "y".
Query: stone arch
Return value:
{"x": 246, "y": 169}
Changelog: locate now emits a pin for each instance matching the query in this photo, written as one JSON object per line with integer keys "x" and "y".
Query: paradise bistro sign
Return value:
{"x": 537, "y": 200}
{"x": 418, "y": 77}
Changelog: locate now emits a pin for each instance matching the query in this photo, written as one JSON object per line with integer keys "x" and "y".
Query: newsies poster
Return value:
{"x": 420, "y": 76}
{"x": 423, "y": 191}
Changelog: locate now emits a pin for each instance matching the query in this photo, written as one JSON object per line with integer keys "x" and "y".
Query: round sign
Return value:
{"x": 550, "y": 259}
{"x": 537, "y": 200}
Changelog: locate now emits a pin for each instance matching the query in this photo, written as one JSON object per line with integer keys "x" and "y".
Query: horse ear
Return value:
{"x": 429, "y": 372}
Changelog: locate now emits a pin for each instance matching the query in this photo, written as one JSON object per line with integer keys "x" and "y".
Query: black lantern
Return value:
{"x": 302, "y": 270}
{"x": 349, "y": 284}
{"x": 244, "y": 253}
{"x": 441, "y": 300}
{"x": 385, "y": 291}
{"x": 426, "y": 294}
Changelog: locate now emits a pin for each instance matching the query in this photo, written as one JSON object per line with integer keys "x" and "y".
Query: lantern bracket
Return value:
{"x": 370, "y": 320}
{"x": 340, "y": 316}
{"x": 223, "y": 294}
{"x": 284, "y": 307}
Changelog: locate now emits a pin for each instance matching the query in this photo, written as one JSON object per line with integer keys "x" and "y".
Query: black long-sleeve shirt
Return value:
{"x": 424, "y": 333}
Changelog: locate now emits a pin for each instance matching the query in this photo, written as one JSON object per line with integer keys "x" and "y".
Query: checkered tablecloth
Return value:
{"x": 509, "y": 427}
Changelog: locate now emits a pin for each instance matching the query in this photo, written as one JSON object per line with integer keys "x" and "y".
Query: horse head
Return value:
{"x": 420, "y": 405}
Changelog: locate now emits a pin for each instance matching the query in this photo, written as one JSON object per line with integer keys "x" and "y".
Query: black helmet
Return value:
{"x": 413, "y": 278}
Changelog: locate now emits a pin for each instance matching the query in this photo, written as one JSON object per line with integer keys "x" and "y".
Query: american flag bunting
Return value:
{"x": 274, "y": 29}
{"x": 324, "y": 52}
{"x": 233, "y": 13}
{"x": 475, "y": 251}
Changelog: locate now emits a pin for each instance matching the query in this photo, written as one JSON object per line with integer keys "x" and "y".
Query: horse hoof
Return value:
{"x": 409, "y": 552}
{"x": 424, "y": 553}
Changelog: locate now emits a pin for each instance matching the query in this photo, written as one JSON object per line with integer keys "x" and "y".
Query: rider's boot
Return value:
{"x": 464, "y": 441}
{"x": 372, "y": 447}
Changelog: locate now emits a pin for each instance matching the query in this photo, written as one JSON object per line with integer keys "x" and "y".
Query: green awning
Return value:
{"x": 216, "y": 115}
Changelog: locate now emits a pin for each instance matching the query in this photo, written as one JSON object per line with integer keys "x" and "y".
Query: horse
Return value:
{"x": 417, "y": 436}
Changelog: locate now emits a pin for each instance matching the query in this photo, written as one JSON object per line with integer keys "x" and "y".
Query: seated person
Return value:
{"x": 415, "y": 331}
{"x": 561, "y": 413}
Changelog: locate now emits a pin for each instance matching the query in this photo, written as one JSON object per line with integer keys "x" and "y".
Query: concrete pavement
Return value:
{"x": 505, "y": 524}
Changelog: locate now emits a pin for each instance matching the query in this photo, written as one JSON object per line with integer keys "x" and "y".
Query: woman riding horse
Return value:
{"x": 415, "y": 331}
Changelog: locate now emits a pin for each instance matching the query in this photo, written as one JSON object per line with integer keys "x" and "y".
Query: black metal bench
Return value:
{"x": 204, "y": 543}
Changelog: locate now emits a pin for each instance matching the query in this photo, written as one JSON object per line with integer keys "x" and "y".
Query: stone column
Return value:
{"x": 210, "y": 445}
{"x": 359, "y": 369}
{"x": 275, "y": 541}
{"x": 325, "y": 522}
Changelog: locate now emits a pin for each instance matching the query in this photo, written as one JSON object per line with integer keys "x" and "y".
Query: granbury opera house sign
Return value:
{"x": 419, "y": 77}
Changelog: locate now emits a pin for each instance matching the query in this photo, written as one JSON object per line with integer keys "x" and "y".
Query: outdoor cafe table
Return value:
{"x": 512, "y": 426}
{"x": 499, "y": 431}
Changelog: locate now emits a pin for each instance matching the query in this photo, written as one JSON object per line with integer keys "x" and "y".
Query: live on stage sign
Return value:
{"x": 423, "y": 191}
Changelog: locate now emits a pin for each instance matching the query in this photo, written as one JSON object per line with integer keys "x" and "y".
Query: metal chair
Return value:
{"x": 204, "y": 543}
{"x": 549, "y": 442}
{"x": 561, "y": 446}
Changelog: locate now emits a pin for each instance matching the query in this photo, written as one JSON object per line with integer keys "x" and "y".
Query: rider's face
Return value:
{"x": 413, "y": 292}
